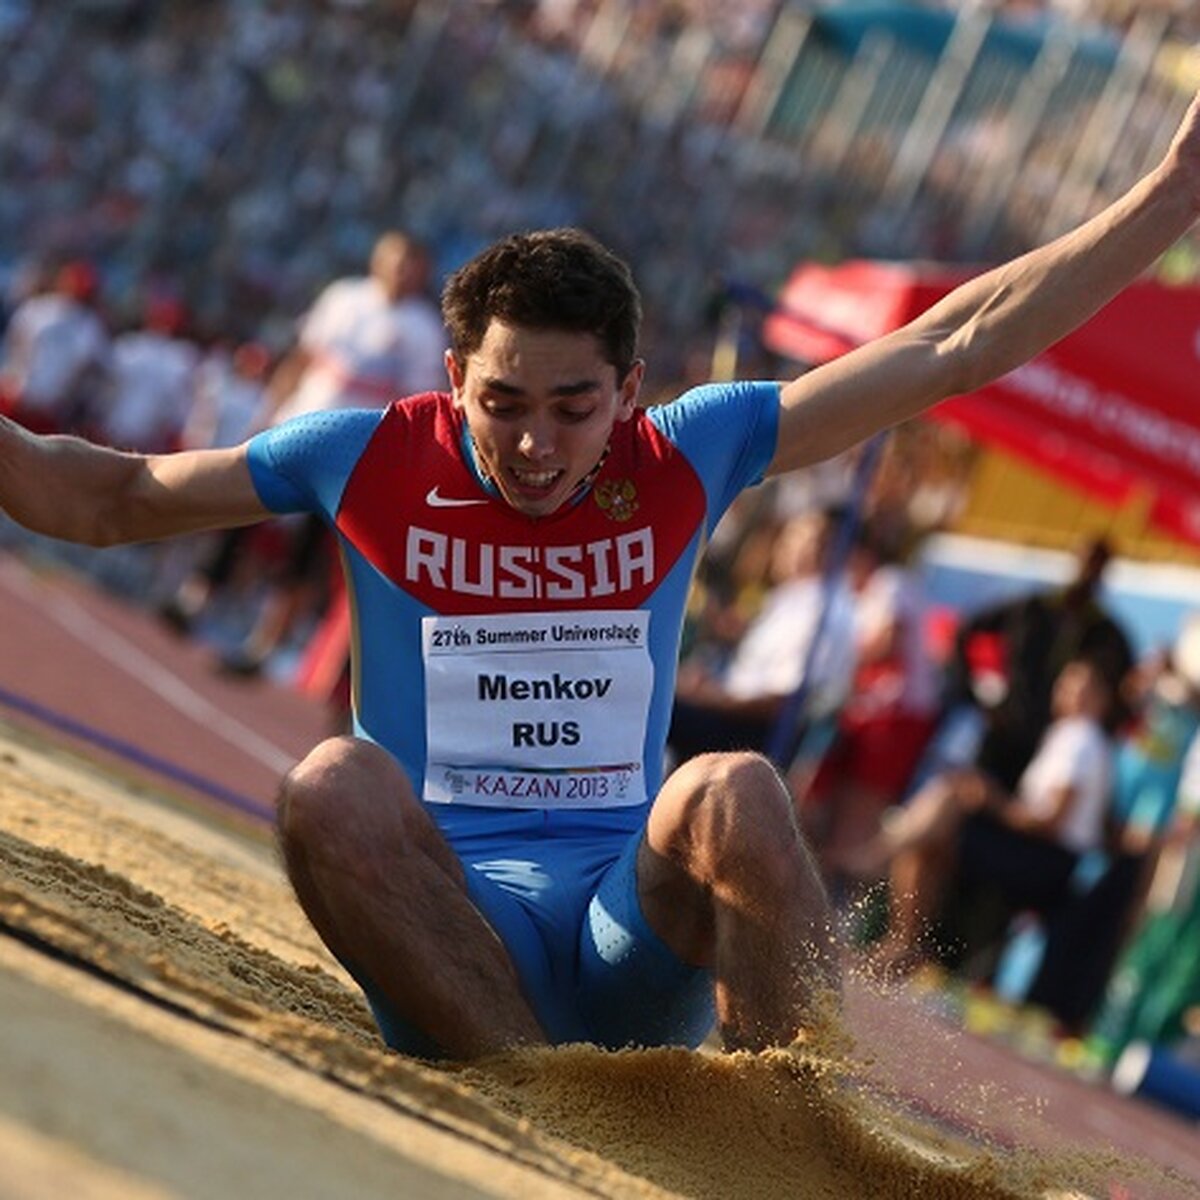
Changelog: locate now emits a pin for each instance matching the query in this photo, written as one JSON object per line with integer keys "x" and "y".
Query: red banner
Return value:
{"x": 1109, "y": 408}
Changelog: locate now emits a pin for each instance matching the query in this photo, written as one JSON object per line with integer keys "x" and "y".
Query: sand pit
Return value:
{"x": 170, "y": 1026}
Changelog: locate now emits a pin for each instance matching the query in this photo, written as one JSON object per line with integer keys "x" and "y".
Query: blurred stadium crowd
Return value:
{"x": 238, "y": 156}
{"x": 192, "y": 177}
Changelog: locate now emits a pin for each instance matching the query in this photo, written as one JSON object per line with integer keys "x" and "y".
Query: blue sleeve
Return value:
{"x": 728, "y": 433}
{"x": 303, "y": 464}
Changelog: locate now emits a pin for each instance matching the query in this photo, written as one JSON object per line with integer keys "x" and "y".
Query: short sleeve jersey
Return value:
{"x": 506, "y": 662}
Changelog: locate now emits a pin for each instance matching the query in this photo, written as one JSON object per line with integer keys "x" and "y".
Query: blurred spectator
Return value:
{"x": 1025, "y": 845}
{"x": 827, "y": 484}
{"x": 229, "y": 405}
{"x": 1083, "y": 937}
{"x": 55, "y": 353}
{"x": 738, "y": 707}
{"x": 151, "y": 382}
{"x": 1164, "y": 694}
{"x": 366, "y": 341}
{"x": 1022, "y": 646}
{"x": 250, "y": 149}
{"x": 1155, "y": 989}
{"x": 230, "y": 397}
{"x": 892, "y": 708}
{"x": 734, "y": 577}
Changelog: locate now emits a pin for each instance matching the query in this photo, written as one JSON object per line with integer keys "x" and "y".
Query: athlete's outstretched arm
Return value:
{"x": 70, "y": 489}
{"x": 997, "y": 321}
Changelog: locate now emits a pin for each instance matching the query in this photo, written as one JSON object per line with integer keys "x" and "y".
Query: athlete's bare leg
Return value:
{"x": 386, "y": 893}
{"x": 726, "y": 880}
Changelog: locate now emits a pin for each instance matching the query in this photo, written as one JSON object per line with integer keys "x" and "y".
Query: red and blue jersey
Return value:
{"x": 510, "y": 662}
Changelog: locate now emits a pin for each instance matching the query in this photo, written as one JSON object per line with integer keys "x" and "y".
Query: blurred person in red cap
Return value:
{"x": 55, "y": 354}
{"x": 1031, "y": 638}
{"x": 79, "y": 280}
{"x": 151, "y": 383}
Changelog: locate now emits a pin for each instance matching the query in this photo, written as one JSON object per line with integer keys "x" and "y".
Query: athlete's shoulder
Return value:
{"x": 424, "y": 414}
{"x": 424, "y": 405}
{"x": 708, "y": 398}
{"x": 731, "y": 411}
{"x": 418, "y": 436}
{"x": 726, "y": 431}
{"x": 303, "y": 462}
{"x": 431, "y": 415}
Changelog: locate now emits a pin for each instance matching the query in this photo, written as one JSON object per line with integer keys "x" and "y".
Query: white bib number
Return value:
{"x": 537, "y": 710}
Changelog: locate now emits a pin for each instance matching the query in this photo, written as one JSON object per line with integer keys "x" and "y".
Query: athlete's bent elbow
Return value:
{"x": 115, "y": 522}
{"x": 102, "y": 531}
{"x": 963, "y": 364}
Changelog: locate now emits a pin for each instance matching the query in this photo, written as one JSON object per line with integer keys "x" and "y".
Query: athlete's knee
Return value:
{"x": 335, "y": 787}
{"x": 730, "y": 813}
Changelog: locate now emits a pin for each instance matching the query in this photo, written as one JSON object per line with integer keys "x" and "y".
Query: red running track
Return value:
{"x": 141, "y": 692}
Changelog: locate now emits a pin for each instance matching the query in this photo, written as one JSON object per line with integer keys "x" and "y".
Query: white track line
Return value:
{"x": 139, "y": 665}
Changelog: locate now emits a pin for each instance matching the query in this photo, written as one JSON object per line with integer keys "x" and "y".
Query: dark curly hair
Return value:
{"x": 551, "y": 279}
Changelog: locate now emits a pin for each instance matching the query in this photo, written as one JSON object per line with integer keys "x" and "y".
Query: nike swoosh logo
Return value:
{"x": 436, "y": 501}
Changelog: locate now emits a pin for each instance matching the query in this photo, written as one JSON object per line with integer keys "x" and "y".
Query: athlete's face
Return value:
{"x": 540, "y": 405}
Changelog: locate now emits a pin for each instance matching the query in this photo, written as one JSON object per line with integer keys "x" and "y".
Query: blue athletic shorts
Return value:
{"x": 567, "y": 910}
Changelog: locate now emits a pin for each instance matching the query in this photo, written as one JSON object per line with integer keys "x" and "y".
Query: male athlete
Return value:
{"x": 494, "y": 855}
